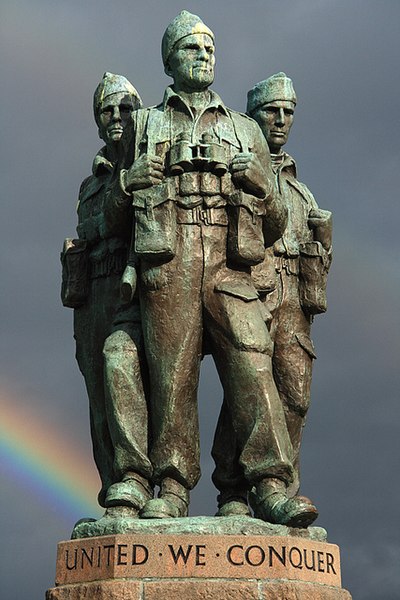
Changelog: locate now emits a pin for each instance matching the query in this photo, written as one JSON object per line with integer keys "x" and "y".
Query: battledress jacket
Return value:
{"x": 156, "y": 130}
{"x": 296, "y": 253}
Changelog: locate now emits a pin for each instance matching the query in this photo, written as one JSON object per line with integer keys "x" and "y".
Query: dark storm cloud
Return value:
{"x": 343, "y": 59}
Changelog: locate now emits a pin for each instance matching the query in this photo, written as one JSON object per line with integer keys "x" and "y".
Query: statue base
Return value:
{"x": 198, "y": 558}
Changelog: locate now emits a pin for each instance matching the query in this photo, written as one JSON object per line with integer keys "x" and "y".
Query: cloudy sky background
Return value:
{"x": 343, "y": 56}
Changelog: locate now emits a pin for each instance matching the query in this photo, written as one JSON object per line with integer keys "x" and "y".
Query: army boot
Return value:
{"x": 172, "y": 502}
{"x": 270, "y": 502}
{"x": 233, "y": 503}
{"x": 133, "y": 491}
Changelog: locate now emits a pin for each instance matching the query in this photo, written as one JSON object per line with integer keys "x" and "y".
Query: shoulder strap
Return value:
{"x": 240, "y": 132}
{"x": 157, "y": 128}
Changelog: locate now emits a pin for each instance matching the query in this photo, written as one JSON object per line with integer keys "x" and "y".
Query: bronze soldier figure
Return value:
{"x": 302, "y": 258}
{"x": 92, "y": 269}
{"x": 291, "y": 282}
{"x": 201, "y": 183}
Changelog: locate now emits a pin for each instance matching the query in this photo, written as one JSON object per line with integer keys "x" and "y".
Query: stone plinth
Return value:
{"x": 193, "y": 589}
{"x": 240, "y": 558}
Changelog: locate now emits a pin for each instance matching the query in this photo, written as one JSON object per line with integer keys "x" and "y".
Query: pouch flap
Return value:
{"x": 238, "y": 289}
{"x": 255, "y": 206}
{"x": 311, "y": 249}
{"x": 155, "y": 195}
{"x": 306, "y": 343}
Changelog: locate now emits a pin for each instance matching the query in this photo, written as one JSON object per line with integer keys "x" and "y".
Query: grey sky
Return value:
{"x": 343, "y": 56}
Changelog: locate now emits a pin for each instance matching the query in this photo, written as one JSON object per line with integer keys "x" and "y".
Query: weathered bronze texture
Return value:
{"x": 227, "y": 253}
{"x": 198, "y": 230}
{"x": 291, "y": 282}
{"x": 93, "y": 266}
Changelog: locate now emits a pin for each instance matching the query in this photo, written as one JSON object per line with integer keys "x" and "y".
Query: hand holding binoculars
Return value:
{"x": 146, "y": 171}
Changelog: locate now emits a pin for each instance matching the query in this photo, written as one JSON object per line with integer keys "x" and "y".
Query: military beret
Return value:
{"x": 276, "y": 87}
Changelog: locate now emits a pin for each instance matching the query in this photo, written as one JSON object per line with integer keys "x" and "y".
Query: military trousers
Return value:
{"x": 292, "y": 361}
{"x": 118, "y": 421}
{"x": 195, "y": 295}
{"x": 292, "y": 369}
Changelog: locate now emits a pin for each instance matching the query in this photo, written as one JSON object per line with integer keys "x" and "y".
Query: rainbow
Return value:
{"x": 46, "y": 462}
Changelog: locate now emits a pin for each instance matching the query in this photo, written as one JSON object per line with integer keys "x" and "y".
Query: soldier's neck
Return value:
{"x": 196, "y": 100}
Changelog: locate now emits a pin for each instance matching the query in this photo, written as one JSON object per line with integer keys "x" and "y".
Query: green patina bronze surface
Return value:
{"x": 92, "y": 269}
{"x": 193, "y": 241}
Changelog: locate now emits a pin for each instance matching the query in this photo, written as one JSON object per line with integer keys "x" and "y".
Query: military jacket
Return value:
{"x": 295, "y": 253}
{"x": 299, "y": 201}
{"x": 197, "y": 150}
{"x": 107, "y": 251}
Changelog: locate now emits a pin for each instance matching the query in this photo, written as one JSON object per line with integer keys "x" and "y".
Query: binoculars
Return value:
{"x": 208, "y": 155}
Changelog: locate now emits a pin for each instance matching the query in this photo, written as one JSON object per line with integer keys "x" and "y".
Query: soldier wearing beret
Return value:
{"x": 200, "y": 179}
{"x": 92, "y": 268}
{"x": 292, "y": 284}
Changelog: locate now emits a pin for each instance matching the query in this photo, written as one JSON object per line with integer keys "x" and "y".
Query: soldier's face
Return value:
{"x": 191, "y": 63}
{"x": 275, "y": 120}
{"x": 115, "y": 112}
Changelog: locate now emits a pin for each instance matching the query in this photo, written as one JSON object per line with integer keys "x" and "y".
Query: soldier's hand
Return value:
{"x": 146, "y": 171}
{"x": 249, "y": 174}
{"x": 321, "y": 222}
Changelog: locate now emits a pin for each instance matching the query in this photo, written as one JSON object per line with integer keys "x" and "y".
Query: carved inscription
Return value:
{"x": 201, "y": 556}
{"x": 237, "y": 555}
{"x": 299, "y": 558}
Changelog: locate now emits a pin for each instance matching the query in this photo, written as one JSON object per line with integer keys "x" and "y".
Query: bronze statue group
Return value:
{"x": 195, "y": 237}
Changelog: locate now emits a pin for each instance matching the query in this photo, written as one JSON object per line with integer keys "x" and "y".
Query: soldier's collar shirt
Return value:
{"x": 283, "y": 162}
{"x": 182, "y": 122}
{"x": 174, "y": 100}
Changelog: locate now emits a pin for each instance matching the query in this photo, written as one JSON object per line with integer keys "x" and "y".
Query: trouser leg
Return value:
{"x": 127, "y": 413}
{"x": 257, "y": 415}
{"x": 228, "y": 476}
{"x": 92, "y": 324}
{"x": 292, "y": 362}
{"x": 241, "y": 349}
{"x": 172, "y": 327}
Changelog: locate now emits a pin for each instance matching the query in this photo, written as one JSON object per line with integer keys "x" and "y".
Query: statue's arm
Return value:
{"x": 88, "y": 224}
{"x": 252, "y": 172}
{"x": 276, "y": 212}
{"x": 320, "y": 222}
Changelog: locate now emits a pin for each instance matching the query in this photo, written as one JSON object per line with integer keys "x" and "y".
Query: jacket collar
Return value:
{"x": 284, "y": 162}
{"x": 101, "y": 164}
{"x": 171, "y": 98}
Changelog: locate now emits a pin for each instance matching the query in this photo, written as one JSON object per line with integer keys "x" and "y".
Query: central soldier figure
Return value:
{"x": 199, "y": 177}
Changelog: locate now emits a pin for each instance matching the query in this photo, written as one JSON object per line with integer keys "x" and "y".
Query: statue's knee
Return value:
{"x": 119, "y": 343}
{"x": 296, "y": 406}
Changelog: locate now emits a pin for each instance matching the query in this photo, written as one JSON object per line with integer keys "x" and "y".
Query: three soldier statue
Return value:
{"x": 195, "y": 237}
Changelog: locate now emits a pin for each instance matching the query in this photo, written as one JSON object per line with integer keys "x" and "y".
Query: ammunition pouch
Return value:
{"x": 264, "y": 275}
{"x": 313, "y": 272}
{"x": 155, "y": 221}
{"x": 245, "y": 236}
{"x": 75, "y": 273}
{"x": 204, "y": 186}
